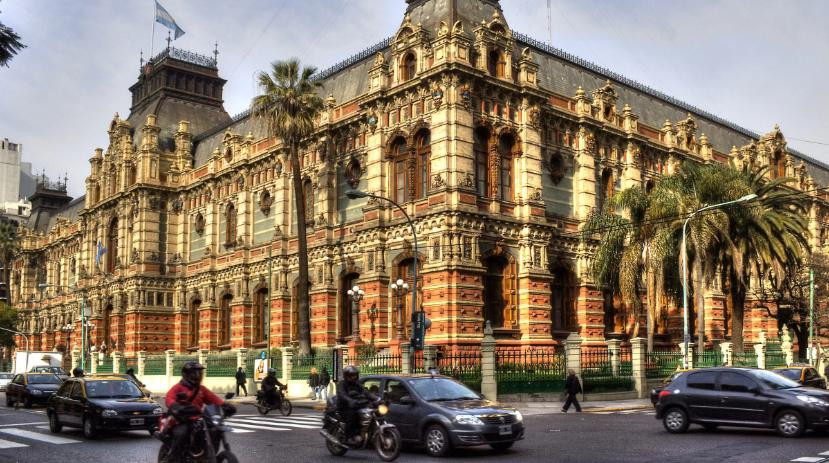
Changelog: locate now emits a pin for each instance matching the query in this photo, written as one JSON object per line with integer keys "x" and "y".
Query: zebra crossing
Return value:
{"x": 16, "y": 436}
{"x": 252, "y": 423}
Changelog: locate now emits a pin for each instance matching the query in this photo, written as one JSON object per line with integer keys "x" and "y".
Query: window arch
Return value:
{"x": 112, "y": 246}
{"x": 479, "y": 149}
{"x": 193, "y": 323}
{"x": 230, "y": 224}
{"x": 224, "y": 320}
{"x": 260, "y": 315}
{"x": 607, "y": 187}
{"x": 408, "y": 67}
{"x": 506, "y": 189}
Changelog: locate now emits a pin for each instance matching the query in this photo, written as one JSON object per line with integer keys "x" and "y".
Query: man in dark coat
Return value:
{"x": 351, "y": 396}
{"x": 572, "y": 386}
{"x": 241, "y": 381}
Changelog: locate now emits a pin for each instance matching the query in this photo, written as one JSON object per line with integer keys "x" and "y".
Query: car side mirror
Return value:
{"x": 406, "y": 400}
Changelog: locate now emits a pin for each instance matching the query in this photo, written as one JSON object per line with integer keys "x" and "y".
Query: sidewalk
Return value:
{"x": 593, "y": 406}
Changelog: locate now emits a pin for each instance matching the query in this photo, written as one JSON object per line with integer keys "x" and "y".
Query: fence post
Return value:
{"x": 76, "y": 358}
{"x": 690, "y": 353}
{"x": 93, "y": 363}
{"x": 639, "y": 360}
{"x": 760, "y": 351}
{"x": 572, "y": 353}
{"x": 405, "y": 360}
{"x": 613, "y": 348}
{"x": 287, "y": 364}
{"x": 142, "y": 357}
{"x": 727, "y": 350}
{"x": 429, "y": 362}
{"x": 786, "y": 346}
{"x": 203, "y": 353}
{"x": 241, "y": 358}
{"x": 116, "y": 361}
{"x": 489, "y": 387}
{"x": 168, "y": 363}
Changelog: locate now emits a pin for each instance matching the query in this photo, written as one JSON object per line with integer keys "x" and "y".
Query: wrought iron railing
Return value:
{"x": 598, "y": 374}
{"x": 662, "y": 364}
{"x": 222, "y": 364}
{"x": 528, "y": 372}
{"x": 463, "y": 365}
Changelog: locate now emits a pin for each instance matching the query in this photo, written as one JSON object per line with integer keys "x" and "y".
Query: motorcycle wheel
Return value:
{"x": 162, "y": 453}
{"x": 263, "y": 409}
{"x": 226, "y": 456}
{"x": 336, "y": 450}
{"x": 286, "y": 408}
{"x": 387, "y": 443}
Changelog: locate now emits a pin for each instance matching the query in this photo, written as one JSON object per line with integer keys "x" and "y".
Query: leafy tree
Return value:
{"x": 10, "y": 44}
{"x": 9, "y": 245}
{"x": 8, "y": 320}
{"x": 289, "y": 105}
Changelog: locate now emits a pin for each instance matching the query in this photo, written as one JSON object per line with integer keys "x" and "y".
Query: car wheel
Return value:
{"x": 27, "y": 402}
{"x": 789, "y": 423}
{"x": 9, "y": 402}
{"x": 675, "y": 420}
{"x": 89, "y": 430}
{"x": 54, "y": 423}
{"x": 437, "y": 441}
{"x": 501, "y": 446}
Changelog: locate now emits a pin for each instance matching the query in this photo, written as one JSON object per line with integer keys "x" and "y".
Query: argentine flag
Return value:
{"x": 163, "y": 17}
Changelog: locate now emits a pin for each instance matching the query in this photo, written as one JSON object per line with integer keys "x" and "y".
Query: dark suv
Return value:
{"x": 742, "y": 397}
{"x": 441, "y": 413}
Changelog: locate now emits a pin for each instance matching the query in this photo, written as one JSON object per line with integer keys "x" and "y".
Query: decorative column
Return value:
{"x": 287, "y": 364}
{"x": 690, "y": 355}
{"x": 93, "y": 365}
{"x": 639, "y": 357}
{"x": 572, "y": 354}
{"x": 405, "y": 359}
{"x": 241, "y": 358}
{"x": 168, "y": 363}
{"x": 786, "y": 346}
{"x": 489, "y": 387}
{"x": 760, "y": 351}
{"x": 203, "y": 359}
{"x": 429, "y": 360}
{"x": 727, "y": 350}
{"x": 614, "y": 348}
{"x": 117, "y": 357}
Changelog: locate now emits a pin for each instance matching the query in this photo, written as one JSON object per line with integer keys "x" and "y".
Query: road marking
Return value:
{"x": 39, "y": 436}
{"x": 825, "y": 454}
{"x": 7, "y": 444}
{"x": 809, "y": 459}
{"x": 276, "y": 422}
{"x": 244, "y": 425}
{"x": 21, "y": 424}
{"x": 239, "y": 431}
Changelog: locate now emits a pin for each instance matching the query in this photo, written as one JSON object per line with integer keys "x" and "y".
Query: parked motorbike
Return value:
{"x": 264, "y": 405}
{"x": 374, "y": 431}
{"x": 208, "y": 442}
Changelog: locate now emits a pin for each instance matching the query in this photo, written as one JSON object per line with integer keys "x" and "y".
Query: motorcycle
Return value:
{"x": 264, "y": 406}
{"x": 374, "y": 431}
{"x": 208, "y": 443}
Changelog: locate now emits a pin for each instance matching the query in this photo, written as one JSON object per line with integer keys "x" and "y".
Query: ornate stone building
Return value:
{"x": 497, "y": 145}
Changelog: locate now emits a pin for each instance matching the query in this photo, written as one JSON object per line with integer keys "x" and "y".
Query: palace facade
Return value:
{"x": 498, "y": 146}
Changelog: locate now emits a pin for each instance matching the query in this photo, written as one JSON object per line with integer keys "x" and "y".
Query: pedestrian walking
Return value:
{"x": 572, "y": 386}
{"x": 325, "y": 380}
{"x": 314, "y": 383}
{"x": 241, "y": 381}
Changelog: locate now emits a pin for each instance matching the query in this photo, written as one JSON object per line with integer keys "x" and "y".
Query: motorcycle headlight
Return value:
{"x": 468, "y": 419}
{"x": 518, "y": 416}
{"x": 382, "y": 409}
{"x": 813, "y": 400}
{"x": 107, "y": 413}
{"x": 157, "y": 411}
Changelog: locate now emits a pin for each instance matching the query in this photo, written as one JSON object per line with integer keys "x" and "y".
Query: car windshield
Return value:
{"x": 112, "y": 389}
{"x": 44, "y": 379}
{"x": 442, "y": 389}
{"x": 773, "y": 380}
{"x": 791, "y": 373}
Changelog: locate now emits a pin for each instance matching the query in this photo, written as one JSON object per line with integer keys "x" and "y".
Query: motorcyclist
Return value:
{"x": 272, "y": 389}
{"x": 185, "y": 401}
{"x": 351, "y": 397}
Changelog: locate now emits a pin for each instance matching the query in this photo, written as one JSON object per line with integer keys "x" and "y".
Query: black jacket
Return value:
{"x": 314, "y": 380}
{"x": 325, "y": 378}
{"x": 241, "y": 377}
{"x": 352, "y": 395}
{"x": 572, "y": 385}
{"x": 270, "y": 383}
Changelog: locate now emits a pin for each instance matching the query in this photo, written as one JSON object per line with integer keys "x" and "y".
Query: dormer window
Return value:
{"x": 495, "y": 64}
{"x": 408, "y": 67}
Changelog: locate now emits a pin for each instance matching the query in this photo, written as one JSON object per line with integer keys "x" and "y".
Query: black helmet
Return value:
{"x": 77, "y": 372}
{"x": 192, "y": 372}
{"x": 271, "y": 372}
{"x": 351, "y": 373}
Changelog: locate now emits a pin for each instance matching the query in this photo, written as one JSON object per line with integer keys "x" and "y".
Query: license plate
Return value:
{"x": 505, "y": 430}
{"x": 136, "y": 421}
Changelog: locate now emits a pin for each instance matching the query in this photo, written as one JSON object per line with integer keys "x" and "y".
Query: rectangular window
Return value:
{"x": 400, "y": 181}
{"x": 423, "y": 160}
{"x": 506, "y": 179}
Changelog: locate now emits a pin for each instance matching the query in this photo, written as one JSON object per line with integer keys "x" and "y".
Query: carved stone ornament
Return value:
{"x": 535, "y": 195}
{"x": 353, "y": 172}
{"x": 199, "y": 224}
{"x": 177, "y": 205}
{"x": 556, "y": 166}
{"x": 371, "y": 120}
{"x": 265, "y": 202}
{"x": 438, "y": 182}
{"x": 277, "y": 167}
{"x": 240, "y": 181}
{"x": 468, "y": 181}
{"x": 465, "y": 96}
{"x": 277, "y": 231}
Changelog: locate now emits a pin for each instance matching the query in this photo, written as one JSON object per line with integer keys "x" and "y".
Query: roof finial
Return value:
{"x": 168, "y": 40}
{"x": 142, "y": 59}
{"x": 216, "y": 52}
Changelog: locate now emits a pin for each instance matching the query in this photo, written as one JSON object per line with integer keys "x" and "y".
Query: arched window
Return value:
{"x": 230, "y": 224}
{"x": 423, "y": 151}
{"x": 408, "y": 67}
{"x": 398, "y": 152}
{"x": 495, "y": 63}
{"x": 107, "y": 328}
{"x": 479, "y": 148}
{"x": 193, "y": 323}
{"x": 112, "y": 246}
{"x": 607, "y": 187}
{"x": 778, "y": 168}
{"x": 500, "y": 292}
{"x": 347, "y": 282}
{"x": 506, "y": 188}
{"x": 224, "y": 320}
{"x": 131, "y": 175}
{"x": 308, "y": 197}
{"x": 260, "y": 316}
{"x": 405, "y": 271}
{"x": 562, "y": 300}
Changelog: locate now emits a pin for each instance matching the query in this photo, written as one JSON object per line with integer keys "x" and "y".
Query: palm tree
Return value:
{"x": 9, "y": 245}
{"x": 289, "y": 105}
{"x": 9, "y": 44}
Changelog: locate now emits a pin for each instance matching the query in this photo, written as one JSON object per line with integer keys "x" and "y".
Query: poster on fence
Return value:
{"x": 260, "y": 369}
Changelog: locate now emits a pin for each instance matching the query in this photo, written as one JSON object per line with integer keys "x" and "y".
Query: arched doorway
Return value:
{"x": 224, "y": 320}
{"x": 500, "y": 291}
{"x": 193, "y": 324}
{"x": 561, "y": 302}
{"x": 260, "y": 315}
{"x": 404, "y": 270}
{"x": 345, "y": 326}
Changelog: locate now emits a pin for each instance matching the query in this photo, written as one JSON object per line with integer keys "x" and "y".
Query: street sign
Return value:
{"x": 337, "y": 364}
{"x": 263, "y": 355}
{"x": 418, "y": 330}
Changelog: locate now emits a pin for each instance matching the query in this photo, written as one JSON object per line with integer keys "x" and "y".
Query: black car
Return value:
{"x": 806, "y": 375}
{"x": 31, "y": 388}
{"x": 656, "y": 390}
{"x": 102, "y": 403}
{"x": 442, "y": 413}
{"x": 742, "y": 397}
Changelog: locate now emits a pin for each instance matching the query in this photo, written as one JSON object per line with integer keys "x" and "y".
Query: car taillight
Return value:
{"x": 663, "y": 393}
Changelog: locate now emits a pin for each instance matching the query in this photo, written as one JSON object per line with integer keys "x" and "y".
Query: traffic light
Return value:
{"x": 419, "y": 326}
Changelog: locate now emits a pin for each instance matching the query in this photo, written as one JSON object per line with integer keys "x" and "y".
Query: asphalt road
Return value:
{"x": 612, "y": 437}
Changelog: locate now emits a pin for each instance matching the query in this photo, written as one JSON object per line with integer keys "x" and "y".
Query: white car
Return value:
{"x": 5, "y": 378}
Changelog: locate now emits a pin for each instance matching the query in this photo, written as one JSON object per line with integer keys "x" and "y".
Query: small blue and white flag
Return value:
{"x": 163, "y": 17}
{"x": 100, "y": 253}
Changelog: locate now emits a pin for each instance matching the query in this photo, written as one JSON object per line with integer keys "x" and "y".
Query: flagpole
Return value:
{"x": 152, "y": 42}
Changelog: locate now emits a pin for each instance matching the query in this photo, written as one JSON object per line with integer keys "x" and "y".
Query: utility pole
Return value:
{"x": 268, "y": 300}
{"x": 812, "y": 315}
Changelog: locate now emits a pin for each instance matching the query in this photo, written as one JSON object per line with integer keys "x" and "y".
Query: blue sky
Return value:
{"x": 753, "y": 62}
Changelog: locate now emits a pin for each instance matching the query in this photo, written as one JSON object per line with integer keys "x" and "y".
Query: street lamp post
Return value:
{"x": 400, "y": 288}
{"x": 356, "y": 294}
{"x": 686, "y": 337}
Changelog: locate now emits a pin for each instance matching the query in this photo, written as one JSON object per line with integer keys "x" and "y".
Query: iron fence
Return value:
{"x": 379, "y": 363}
{"x": 131, "y": 362}
{"x": 301, "y": 365}
{"x": 598, "y": 374}
{"x": 744, "y": 359}
{"x": 662, "y": 364}
{"x": 275, "y": 362}
{"x": 105, "y": 365}
{"x": 708, "y": 358}
{"x": 464, "y": 366}
{"x": 418, "y": 362}
{"x": 532, "y": 371}
{"x": 221, "y": 364}
{"x": 180, "y": 360}
{"x": 775, "y": 357}
{"x": 155, "y": 365}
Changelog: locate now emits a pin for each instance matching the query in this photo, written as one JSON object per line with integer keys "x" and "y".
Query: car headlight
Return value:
{"x": 468, "y": 419}
{"x": 109, "y": 413}
{"x": 518, "y": 416}
{"x": 157, "y": 411}
{"x": 36, "y": 392}
{"x": 382, "y": 409}
{"x": 813, "y": 400}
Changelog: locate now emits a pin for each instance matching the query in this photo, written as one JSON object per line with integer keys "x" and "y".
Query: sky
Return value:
{"x": 753, "y": 62}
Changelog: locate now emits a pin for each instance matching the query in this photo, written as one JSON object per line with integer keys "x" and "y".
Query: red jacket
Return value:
{"x": 202, "y": 397}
